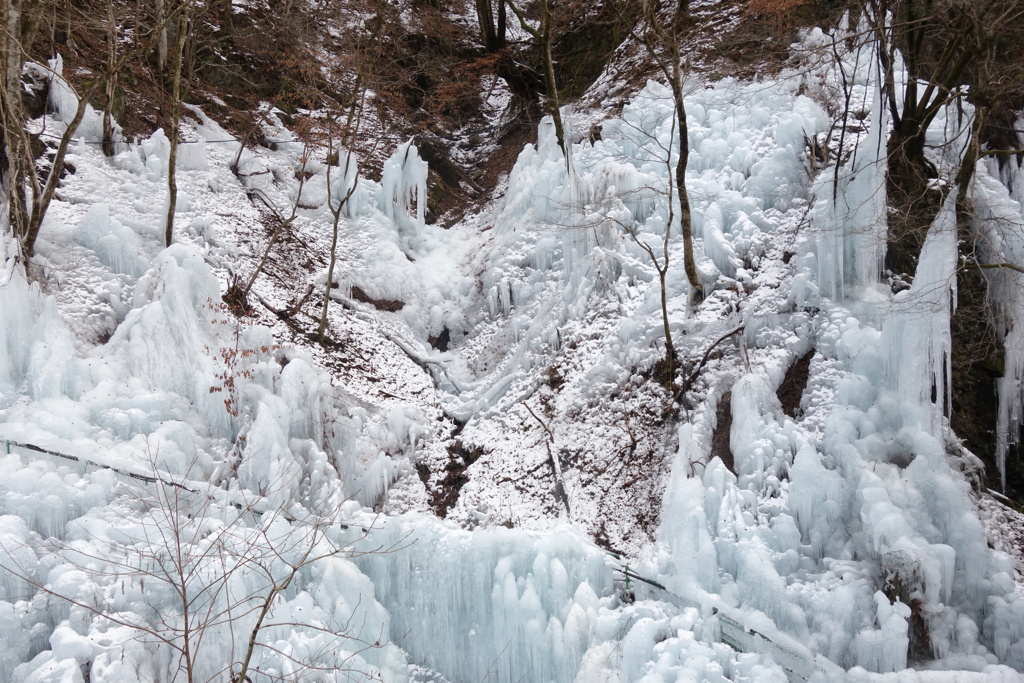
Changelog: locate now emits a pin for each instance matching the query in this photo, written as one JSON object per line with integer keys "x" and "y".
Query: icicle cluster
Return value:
{"x": 403, "y": 186}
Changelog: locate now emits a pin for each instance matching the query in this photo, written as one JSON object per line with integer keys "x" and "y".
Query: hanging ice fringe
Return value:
{"x": 404, "y": 185}
{"x": 852, "y": 231}
{"x": 996, "y": 196}
{"x": 917, "y": 336}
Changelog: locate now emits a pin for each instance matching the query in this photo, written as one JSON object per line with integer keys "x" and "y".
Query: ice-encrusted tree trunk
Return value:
{"x": 955, "y": 54}
{"x": 986, "y": 325}
{"x": 172, "y": 180}
{"x": 663, "y": 42}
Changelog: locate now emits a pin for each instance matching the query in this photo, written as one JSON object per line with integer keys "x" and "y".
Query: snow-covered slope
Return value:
{"x": 179, "y": 479}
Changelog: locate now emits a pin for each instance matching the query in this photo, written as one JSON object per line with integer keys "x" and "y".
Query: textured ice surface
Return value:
{"x": 841, "y": 532}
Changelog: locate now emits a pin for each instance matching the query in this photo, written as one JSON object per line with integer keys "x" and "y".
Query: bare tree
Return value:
{"x": 663, "y": 41}
{"x": 111, "y": 83}
{"x": 659, "y": 253}
{"x": 29, "y": 196}
{"x": 238, "y": 292}
{"x": 945, "y": 47}
{"x": 492, "y": 29}
{"x": 20, "y": 20}
{"x": 219, "y": 564}
{"x": 543, "y": 35}
{"x": 338, "y": 205}
{"x": 172, "y": 181}
{"x": 661, "y": 267}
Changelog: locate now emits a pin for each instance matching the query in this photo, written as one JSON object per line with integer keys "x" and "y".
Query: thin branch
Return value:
{"x": 703, "y": 361}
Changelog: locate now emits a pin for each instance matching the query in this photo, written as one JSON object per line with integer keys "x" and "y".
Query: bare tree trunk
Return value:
{"x": 685, "y": 217}
{"x": 13, "y": 124}
{"x": 321, "y": 329}
{"x": 670, "y": 349}
{"x": 12, "y": 50}
{"x": 108, "y": 117}
{"x": 543, "y": 37}
{"x": 43, "y": 196}
{"x": 172, "y": 183}
{"x": 669, "y": 60}
{"x": 111, "y": 85}
{"x": 501, "y": 25}
{"x": 550, "y": 84}
{"x": 671, "y": 357}
{"x": 64, "y": 23}
{"x": 485, "y": 18}
{"x": 161, "y": 38}
{"x": 31, "y": 18}
{"x": 493, "y": 35}
{"x": 348, "y": 143}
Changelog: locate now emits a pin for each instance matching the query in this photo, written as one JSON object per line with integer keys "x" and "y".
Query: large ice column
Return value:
{"x": 684, "y": 522}
{"x": 403, "y": 184}
{"x": 864, "y": 197}
{"x": 916, "y": 338}
{"x": 163, "y": 340}
{"x": 17, "y": 309}
{"x": 35, "y": 345}
{"x": 999, "y": 214}
{"x": 852, "y": 231}
{"x": 62, "y": 102}
{"x": 1010, "y": 390}
{"x": 885, "y": 649}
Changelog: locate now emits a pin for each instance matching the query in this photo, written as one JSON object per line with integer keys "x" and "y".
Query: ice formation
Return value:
{"x": 404, "y": 186}
{"x": 829, "y": 547}
{"x": 916, "y": 335}
{"x": 997, "y": 194}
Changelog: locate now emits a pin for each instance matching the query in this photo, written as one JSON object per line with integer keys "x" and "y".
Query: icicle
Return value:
{"x": 575, "y": 193}
{"x": 917, "y": 337}
{"x": 62, "y": 99}
{"x": 404, "y": 183}
{"x": 1011, "y": 395}
{"x": 344, "y": 188}
{"x": 527, "y": 604}
{"x": 999, "y": 212}
{"x": 852, "y": 232}
{"x": 885, "y": 650}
